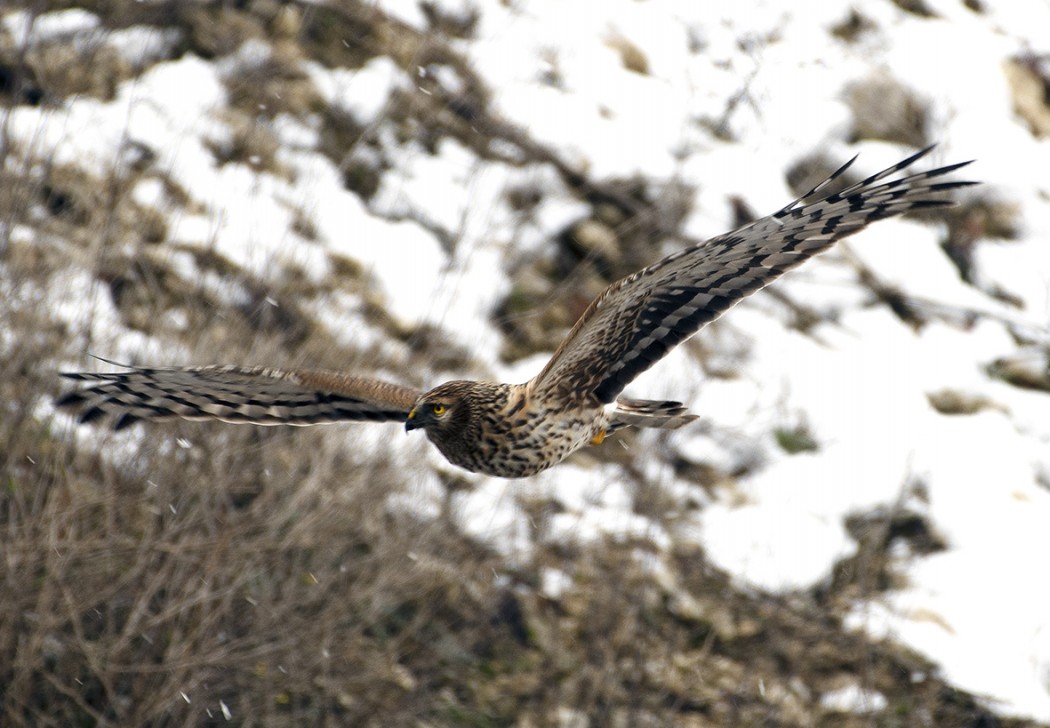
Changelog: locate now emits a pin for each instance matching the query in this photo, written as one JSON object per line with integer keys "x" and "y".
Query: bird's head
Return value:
{"x": 444, "y": 409}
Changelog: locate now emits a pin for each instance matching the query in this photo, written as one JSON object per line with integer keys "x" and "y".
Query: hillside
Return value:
{"x": 851, "y": 534}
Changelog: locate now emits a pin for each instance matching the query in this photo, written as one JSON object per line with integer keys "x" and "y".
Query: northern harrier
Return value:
{"x": 517, "y": 430}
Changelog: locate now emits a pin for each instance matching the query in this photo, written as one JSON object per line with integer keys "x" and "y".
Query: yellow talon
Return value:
{"x": 599, "y": 438}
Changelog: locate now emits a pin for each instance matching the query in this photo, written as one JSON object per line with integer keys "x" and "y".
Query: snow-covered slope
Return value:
{"x": 722, "y": 100}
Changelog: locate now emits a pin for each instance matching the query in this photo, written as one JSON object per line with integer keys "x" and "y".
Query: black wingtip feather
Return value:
{"x": 918, "y": 155}
{"x": 952, "y": 167}
{"x": 942, "y": 186}
{"x": 931, "y": 204}
{"x": 112, "y": 363}
{"x": 831, "y": 178}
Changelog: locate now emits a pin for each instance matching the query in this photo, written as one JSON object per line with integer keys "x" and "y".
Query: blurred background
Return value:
{"x": 853, "y": 534}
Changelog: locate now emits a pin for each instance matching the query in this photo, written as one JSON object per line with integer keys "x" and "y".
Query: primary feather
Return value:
{"x": 638, "y": 319}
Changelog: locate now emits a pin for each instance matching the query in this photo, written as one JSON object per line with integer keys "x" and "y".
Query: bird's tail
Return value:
{"x": 649, "y": 413}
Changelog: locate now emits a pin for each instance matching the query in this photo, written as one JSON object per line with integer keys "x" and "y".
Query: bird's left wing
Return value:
{"x": 638, "y": 319}
{"x": 253, "y": 395}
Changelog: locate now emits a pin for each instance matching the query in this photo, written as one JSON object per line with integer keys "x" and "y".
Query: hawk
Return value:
{"x": 518, "y": 430}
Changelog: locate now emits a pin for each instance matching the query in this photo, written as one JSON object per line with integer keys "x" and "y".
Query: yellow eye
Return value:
{"x": 438, "y": 409}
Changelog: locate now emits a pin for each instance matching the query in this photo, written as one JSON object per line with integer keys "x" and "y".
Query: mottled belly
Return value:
{"x": 526, "y": 446}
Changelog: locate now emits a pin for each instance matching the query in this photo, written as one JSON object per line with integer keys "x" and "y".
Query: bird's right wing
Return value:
{"x": 252, "y": 395}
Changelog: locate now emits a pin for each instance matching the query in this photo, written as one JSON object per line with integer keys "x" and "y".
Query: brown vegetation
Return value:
{"x": 201, "y": 575}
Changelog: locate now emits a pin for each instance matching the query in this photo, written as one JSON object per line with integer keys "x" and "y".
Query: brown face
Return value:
{"x": 455, "y": 416}
{"x": 439, "y": 408}
{"x": 428, "y": 413}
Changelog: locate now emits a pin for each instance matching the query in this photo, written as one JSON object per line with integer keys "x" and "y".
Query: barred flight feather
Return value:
{"x": 256, "y": 395}
{"x": 638, "y": 319}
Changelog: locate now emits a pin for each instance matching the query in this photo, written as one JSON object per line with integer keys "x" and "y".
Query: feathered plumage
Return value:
{"x": 518, "y": 430}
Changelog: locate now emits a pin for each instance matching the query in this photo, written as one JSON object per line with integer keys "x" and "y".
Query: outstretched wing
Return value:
{"x": 638, "y": 319}
{"x": 254, "y": 395}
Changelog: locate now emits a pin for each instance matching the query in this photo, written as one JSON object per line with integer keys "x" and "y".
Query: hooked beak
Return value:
{"x": 412, "y": 423}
